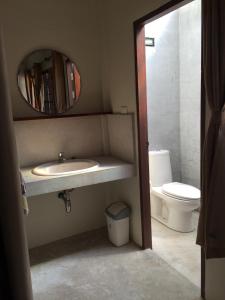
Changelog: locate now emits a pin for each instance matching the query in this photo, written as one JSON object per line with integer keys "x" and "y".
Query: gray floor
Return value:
{"x": 178, "y": 249}
{"x": 88, "y": 267}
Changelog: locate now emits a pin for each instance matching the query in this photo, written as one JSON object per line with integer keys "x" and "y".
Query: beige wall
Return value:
{"x": 101, "y": 47}
{"x": 215, "y": 274}
{"x": 119, "y": 89}
{"x": 118, "y": 73}
{"x": 72, "y": 26}
{"x": 118, "y": 46}
{"x": 48, "y": 221}
{"x": 68, "y": 26}
{"x": 41, "y": 140}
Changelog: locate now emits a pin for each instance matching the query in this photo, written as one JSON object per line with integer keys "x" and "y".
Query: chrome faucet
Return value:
{"x": 61, "y": 157}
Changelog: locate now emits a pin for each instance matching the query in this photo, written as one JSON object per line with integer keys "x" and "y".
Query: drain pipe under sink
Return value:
{"x": 65, "y": 196}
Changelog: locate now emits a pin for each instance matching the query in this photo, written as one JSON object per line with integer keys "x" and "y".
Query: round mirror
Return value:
{"x": 49, "y": 81}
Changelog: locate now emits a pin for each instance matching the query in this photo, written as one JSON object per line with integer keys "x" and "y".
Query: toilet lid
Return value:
{"x": 181, "y": 191}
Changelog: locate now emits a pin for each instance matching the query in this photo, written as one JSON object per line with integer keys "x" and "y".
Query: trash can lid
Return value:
{"x": 118, "y": 210}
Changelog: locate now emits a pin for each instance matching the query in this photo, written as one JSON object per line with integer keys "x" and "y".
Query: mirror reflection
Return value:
{"x": 49, "y": 81}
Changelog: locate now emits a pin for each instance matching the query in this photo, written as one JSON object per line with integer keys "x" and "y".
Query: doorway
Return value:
{"x": 166, "y": 114}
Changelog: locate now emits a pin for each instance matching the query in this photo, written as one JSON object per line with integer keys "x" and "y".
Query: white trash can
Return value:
{"x": 118, "y": 216}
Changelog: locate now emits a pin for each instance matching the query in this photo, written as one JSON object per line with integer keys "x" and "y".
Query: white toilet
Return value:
{"x": 172, "y": 203}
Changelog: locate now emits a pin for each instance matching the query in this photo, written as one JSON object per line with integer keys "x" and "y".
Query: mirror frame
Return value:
{"x": 25, "y": 100}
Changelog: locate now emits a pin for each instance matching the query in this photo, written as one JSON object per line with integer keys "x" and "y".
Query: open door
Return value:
{"x": 143, "y": 136}
{"x": 142, "y": 119}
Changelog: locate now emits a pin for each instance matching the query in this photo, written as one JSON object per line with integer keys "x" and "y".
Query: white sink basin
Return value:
{"x": 73, "y": 166}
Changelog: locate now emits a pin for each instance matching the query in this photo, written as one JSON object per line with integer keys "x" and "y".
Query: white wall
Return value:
{"x": 173, "y": 85}
{"x": 162, "y": 63}
{"x": 190, "y": 91}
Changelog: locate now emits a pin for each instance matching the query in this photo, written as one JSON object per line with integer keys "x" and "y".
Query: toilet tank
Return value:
{"x": 159, "y": 167}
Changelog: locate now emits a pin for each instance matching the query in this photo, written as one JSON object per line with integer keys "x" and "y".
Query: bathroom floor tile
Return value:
{"x": 88, "y": 267}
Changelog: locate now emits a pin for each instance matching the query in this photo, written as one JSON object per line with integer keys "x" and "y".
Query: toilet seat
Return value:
{"x": 181, "y": 191}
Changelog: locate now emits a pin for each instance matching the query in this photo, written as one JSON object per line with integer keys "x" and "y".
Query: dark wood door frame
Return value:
{"x": 141, "y": 96}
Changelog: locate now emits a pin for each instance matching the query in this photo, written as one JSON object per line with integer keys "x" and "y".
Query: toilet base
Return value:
{"x": 181, "y": 221}
{"x": 187, "y": 225}
{"x": 172, "y": 217}
{"x": 184, "y": 229}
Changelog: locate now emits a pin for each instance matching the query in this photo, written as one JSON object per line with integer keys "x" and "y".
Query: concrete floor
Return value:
{"x": 179, "y": 249}
{"x": 88, "y": 267}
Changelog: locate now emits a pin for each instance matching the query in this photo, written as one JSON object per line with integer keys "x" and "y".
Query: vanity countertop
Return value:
{"x": 109, "y": 169}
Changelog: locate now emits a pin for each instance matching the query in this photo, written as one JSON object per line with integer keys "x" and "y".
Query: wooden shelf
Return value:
{"x": 62, "y": 116}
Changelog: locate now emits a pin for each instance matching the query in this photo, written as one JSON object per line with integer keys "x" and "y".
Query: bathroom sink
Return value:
{"x": 73, "y": 166}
